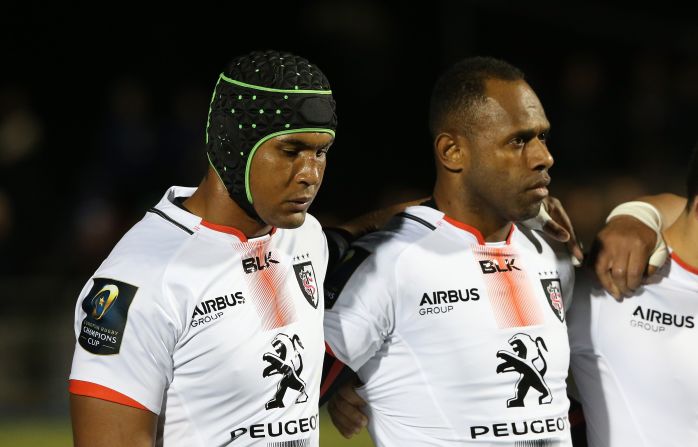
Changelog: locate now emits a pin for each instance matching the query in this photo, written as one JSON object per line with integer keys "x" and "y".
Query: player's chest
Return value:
{"x": 481, "y": 289}
{"x": 236, "y": 295}
{"x": 658, "y": 327}
{"x": 254, "y": 317}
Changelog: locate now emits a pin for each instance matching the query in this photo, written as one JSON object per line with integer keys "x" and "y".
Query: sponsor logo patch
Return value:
{"x": 212, "y": 309}
{"x": 106, "y": 307}
{"x": 498, "y": 265}
{"x": 254, "y": 264}
{"x": 652, "y": 320}
{"x": 286, "y": 361}
{"x": 528, "y": 362}
{"x": 442, "y": 301}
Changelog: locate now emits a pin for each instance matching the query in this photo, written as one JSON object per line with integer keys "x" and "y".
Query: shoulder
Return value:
{"x": 371, "y": 260}
{"x": 539, "y": 241}
{"x": 548, "y": 254}
{"x": 402, "y": 231}
{"x": 544, "y": 247}
{"x": 145, "y": 251}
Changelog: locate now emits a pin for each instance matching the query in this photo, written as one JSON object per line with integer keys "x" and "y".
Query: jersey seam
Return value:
{"x": 190, "y": 420}
{"x": 166, "y": 296}
{"x": 427, "y": 385}
{"x": 165, "y": 216}
{"x": 417, "y": 219}
{"x": 394, "y": 331}
{"x": 398, "y": 256}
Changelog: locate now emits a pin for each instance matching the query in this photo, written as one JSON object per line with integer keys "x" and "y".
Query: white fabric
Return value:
{"x": 634, "y": 361}
{"x": 200, "y": 330}
{"x": 427, "y": 330}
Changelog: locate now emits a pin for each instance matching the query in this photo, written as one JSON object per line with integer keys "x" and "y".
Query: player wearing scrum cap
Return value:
{"x": 207, "y": 315}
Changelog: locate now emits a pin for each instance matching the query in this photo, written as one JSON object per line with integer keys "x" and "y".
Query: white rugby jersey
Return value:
{"x": 634, "y": 362}
{"x": 219, "y": 335}
{"x": 457, "y": 341}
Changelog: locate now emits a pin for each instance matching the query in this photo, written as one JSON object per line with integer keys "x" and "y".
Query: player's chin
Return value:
{"x": 289, "y": 220}
{"x": 529, "y": 210}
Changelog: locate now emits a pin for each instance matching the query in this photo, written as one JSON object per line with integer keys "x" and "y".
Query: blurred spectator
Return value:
{"x": 22, "y": 180}
{"x": 126, "y": 142}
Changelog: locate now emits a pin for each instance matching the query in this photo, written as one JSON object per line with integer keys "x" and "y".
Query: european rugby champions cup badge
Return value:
{"x": 553, "y": 292}
{"x": 305, "y": 275}
{"x": 106, "y": 308}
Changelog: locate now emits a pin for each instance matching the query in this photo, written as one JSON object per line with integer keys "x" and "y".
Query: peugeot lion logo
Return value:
{"x": 527, "y": 360}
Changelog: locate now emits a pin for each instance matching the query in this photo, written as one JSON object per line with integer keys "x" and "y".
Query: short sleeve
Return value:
{"x": 359, "y": 307}
{"x": 125, "y": 339}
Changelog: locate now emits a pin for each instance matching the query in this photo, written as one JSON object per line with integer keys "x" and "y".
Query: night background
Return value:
{"x": 102, "y": 108}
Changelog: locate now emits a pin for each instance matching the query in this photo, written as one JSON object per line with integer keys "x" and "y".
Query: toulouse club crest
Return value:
{"x": 305, "y": 275}
{"x": 553, "y": 292}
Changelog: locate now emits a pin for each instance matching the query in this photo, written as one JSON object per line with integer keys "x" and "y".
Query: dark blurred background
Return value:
{"x": 102, "y": 108}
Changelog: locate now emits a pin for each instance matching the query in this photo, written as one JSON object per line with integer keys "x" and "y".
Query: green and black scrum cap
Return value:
{"x": 259, "y": 96}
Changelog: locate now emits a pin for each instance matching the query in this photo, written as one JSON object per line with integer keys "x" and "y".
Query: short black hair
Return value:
{"x": 463, "y": 85}
{"x": 692, "y": 179}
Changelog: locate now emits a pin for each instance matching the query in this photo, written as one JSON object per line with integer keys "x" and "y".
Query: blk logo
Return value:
{"x": 528, "y": 361}
{"x": 490, "y": 266}
{"x": 251, "y": 265}
{"x": 287, "y": 362}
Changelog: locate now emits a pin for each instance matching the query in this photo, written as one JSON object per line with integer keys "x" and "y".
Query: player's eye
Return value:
{"x": 290, "y": 151}
{"x": 517, "y": 142}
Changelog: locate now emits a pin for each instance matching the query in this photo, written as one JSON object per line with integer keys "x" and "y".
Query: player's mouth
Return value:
{"x": 540, "y": 188}
{"x": 300, "y": 203}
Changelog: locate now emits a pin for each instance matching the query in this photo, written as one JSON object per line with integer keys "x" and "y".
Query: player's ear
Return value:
{"x": 450, "y": 151}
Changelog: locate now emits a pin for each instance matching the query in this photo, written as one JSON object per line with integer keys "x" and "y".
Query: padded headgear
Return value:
{"x": 260, "y": 96}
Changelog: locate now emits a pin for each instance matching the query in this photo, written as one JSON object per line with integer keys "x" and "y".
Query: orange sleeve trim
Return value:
{"x": 90, "y": 389}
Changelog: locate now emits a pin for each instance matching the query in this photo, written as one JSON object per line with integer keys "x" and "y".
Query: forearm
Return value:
{"x": 373, "y": 220}
{"x": 669, "y": 206}
{"x": 99, "y": 423}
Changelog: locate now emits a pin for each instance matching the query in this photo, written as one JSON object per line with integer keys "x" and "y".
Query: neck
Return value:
{"x": 682, "y": 236}
{"x": 212, "y": 203}
{"x": 460, "y": 208}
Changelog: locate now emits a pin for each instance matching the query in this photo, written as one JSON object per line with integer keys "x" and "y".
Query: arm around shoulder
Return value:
{"x": 669, "y": 206}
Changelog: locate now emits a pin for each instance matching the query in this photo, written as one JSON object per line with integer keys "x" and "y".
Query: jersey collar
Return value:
{"x": 234, "y": 231}
{"x": 689, "y": 268}
{"x": 439, "y": 219}
{"x": 193, "y": 222}
{"x": 174, "y": 212}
